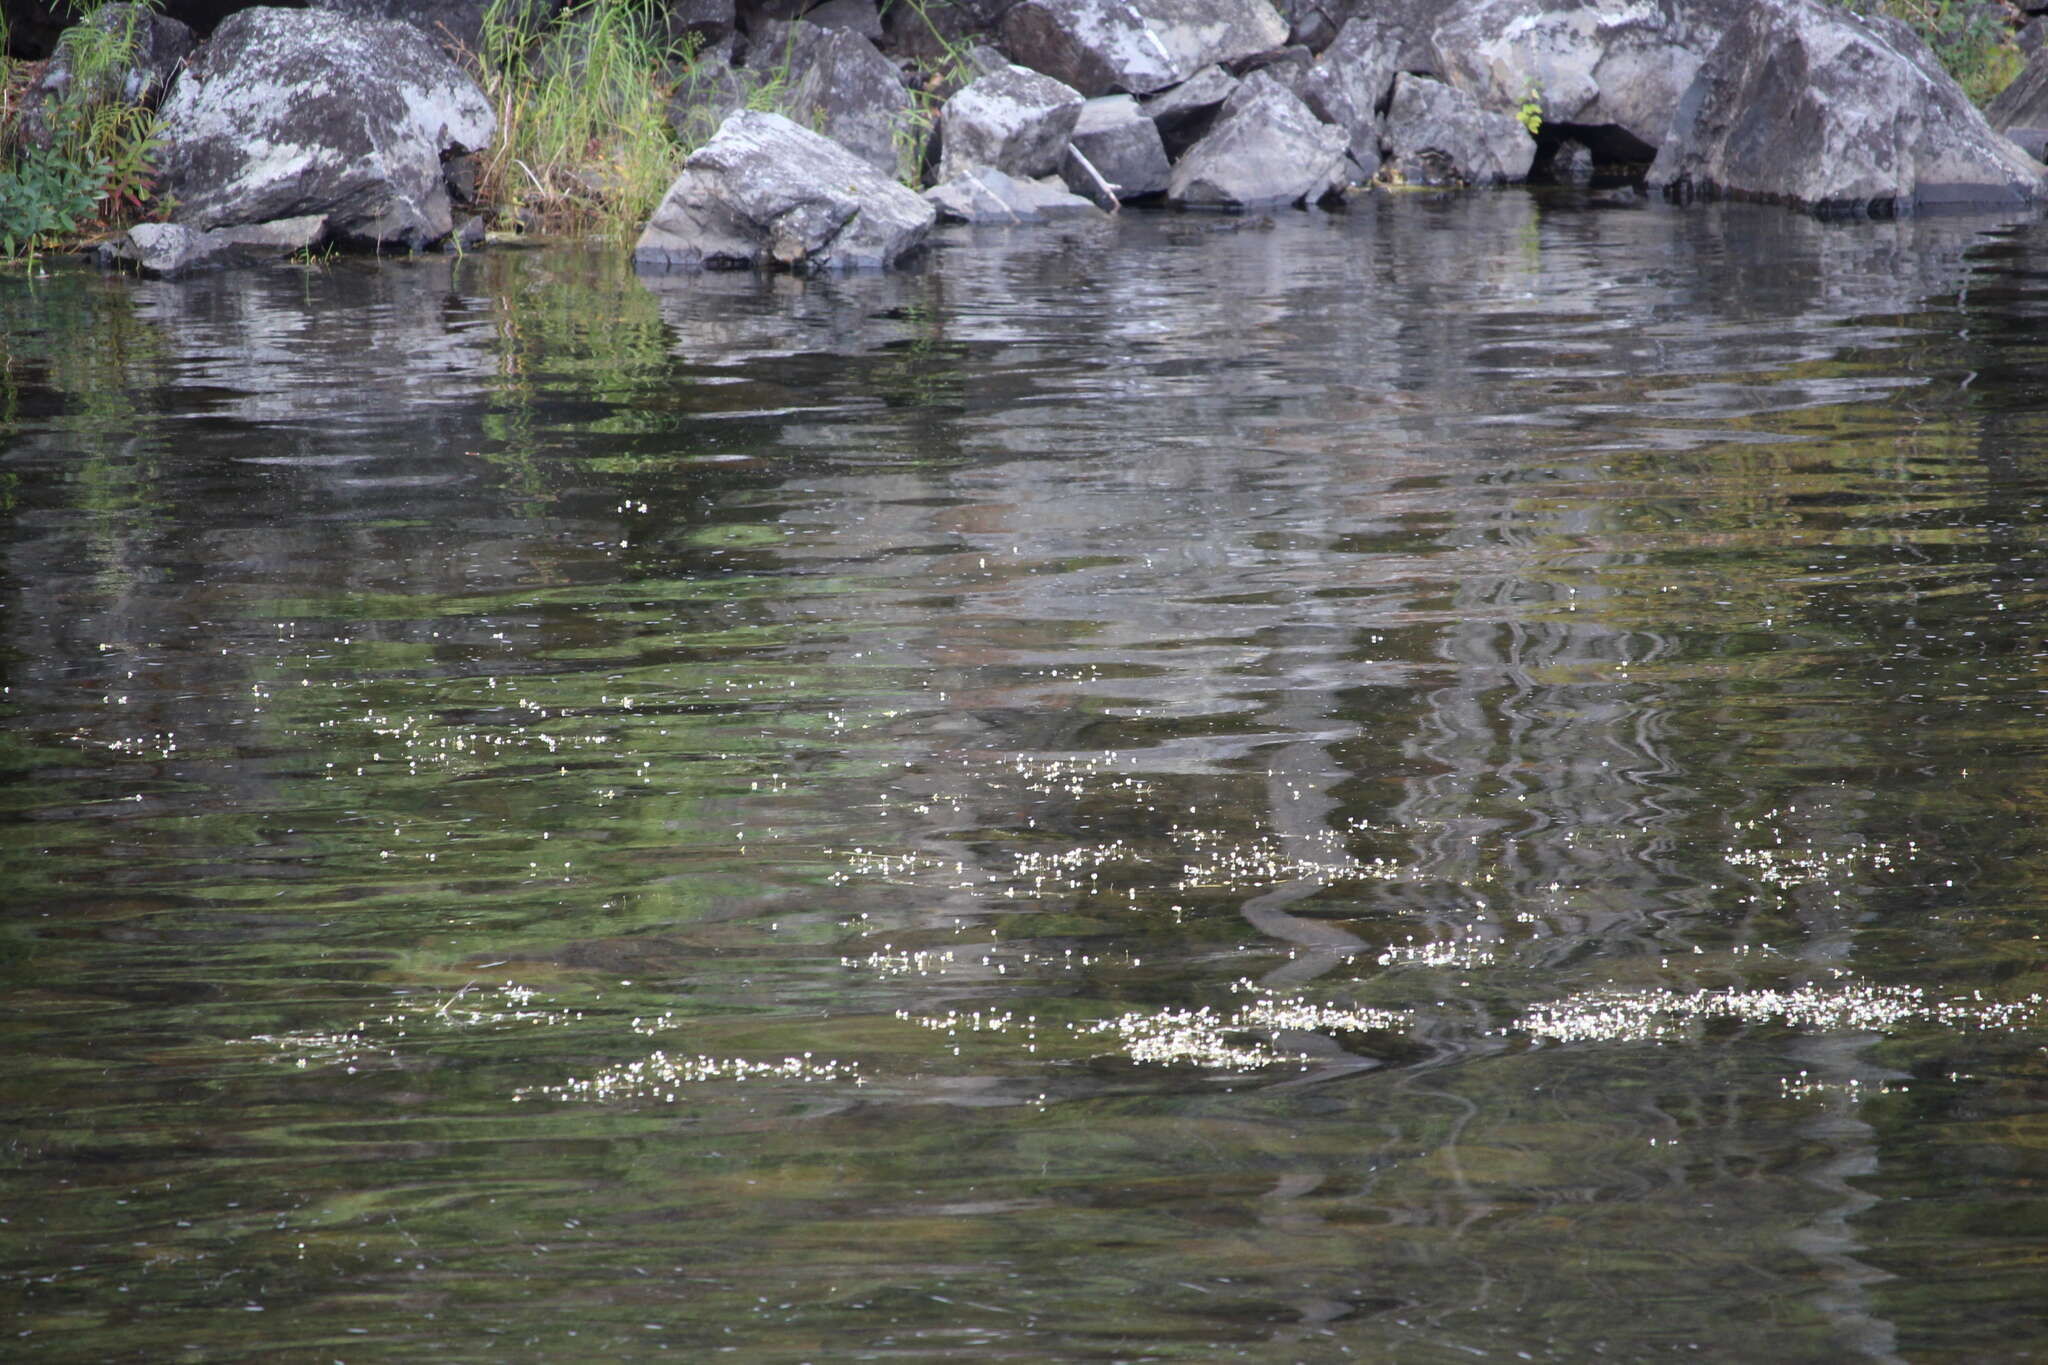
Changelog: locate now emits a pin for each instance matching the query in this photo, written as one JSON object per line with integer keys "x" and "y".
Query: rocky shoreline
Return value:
{"x": 356, "y": 124}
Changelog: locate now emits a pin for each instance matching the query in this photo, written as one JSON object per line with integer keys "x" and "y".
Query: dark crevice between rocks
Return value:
{"x": 1602, "y": 155}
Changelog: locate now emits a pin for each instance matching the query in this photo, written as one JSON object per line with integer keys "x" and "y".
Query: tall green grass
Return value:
{"x": 584, "y": 142}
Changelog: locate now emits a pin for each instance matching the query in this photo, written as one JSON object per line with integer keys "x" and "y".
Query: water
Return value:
{"x": 1455, "y": 781}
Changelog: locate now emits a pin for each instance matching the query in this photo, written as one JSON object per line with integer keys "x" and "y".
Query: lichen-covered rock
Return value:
{"x": 165, "y": 250}
{"x": 290, "y": 113}
{"x": 1102, "y": 47}
{"x": 1436, "y": 135}
{"x": 1808, "y": 104}
{"x": 1014, "y": 120}
{"x": 766, "y": 192}
{"x": 1121, "y": 146}
{"x": 155, "y": 45}
{"x": 1617, "y": 65}
{"x": 833, "y": 80}
{"x": 1266, "y": 149}
{"x": 1349, "y": 83}
{"x": 986, "y": 195}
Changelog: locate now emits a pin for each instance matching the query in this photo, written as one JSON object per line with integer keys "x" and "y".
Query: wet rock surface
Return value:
{"x": 986, "y": 195}
{"x": 766, "y": 192}
{"x": 167, "y": 250}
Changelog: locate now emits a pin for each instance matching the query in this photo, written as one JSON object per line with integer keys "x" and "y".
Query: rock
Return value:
{"x": 1014, "y": 120}
{"x": 1266, "y": 149}
{"x": 1436, "y": 135}
{"x": 1101, "y": 47}
{"x": 2022, "y": 104}
{"x": 164, "y": 250}
{"x": 1124, "y": 148}
{"x": 156, "y": 47}
{"x": 986, "y": 195}
{"x": 1350, "y": 83}
{"x": 1183, "y": 114}
{"x": 287, "y": 113}
{"x": 767, "y": 192}
{"x": 708, "y": 22}
{"x": 834, "y": 81}
{"x": 1618, "y": 65}
{"x": 457, "y": 25}
{"x": 1571, "y": 163}
{"x": 1804, "y": 103}
{"x": 854, "y": 16}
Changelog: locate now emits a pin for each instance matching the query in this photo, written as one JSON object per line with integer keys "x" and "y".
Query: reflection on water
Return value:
{"x": 1458, "y": 780}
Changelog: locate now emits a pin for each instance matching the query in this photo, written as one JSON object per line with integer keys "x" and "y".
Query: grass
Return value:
{"x": 583, "y": 141}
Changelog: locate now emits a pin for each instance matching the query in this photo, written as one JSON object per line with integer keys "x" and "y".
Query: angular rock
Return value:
{"x": 1101, "y": 47}
{"x": 1122, "y": 146}
{"x": 1184, "y": 113}
{"x": 1014, "y": 120}
{"x": 985, "y": 195}
{"x": 1611, "y": 65}
{"x": 165, "y": 250}
{"x": 1266, "y": 149}
{"x": 707, "y": 22}
{"x": 1350, "y": 83}
{"x": 156, "y": 46}
{"x": 1436, "y": 135}
{"x": 1807, "y": 104}
{"x": 833, "y": 80}
{"x": 287, "y": 113}
{"x": 855, "y": 16}
{"x": 2020, "y": 111}
{"x": 767, "y": 192}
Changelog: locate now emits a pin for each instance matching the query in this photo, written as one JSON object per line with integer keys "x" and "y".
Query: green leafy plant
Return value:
{"x": 1530, "y": 114}
{"x": 45, "y": 197}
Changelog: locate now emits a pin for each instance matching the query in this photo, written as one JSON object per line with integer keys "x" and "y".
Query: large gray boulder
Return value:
{"x": 1437, "y": 135}
{"x": 1266, "y": 150}
{"x": 155, "y": 45}
{"x": 1808, "y": 104}
{"x": 1119, "y": 146}
{"x": 766, "y": 192}
{"x": 1014, "y": 120}
{"x": 833, "y": 80}
{"x": 288, "y": 113}
{"x": 1618, "y": 65}
{"x": 1349, "y": 83}
{"x": 1102, "y": 47}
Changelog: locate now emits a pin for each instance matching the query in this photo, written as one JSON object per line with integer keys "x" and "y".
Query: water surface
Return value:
{"x": 1458, "y": 780}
